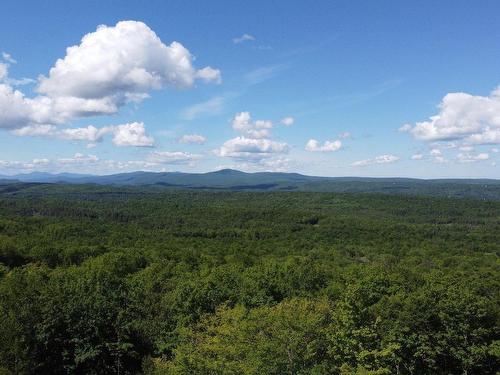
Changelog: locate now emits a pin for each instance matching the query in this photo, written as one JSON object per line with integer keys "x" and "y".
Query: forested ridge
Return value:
{"x": 102, "y": 280}
{"x": 234, "y": 180}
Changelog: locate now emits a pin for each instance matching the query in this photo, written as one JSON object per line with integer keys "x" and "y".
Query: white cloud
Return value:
{"x": 24, "y": 166}
{"x": 110, "y": 67}
{"x": 172, "y": 157}
{"x": 41, "y": 161}
{"x": 417, "y": 157}
{"x": 4, "y": 73}
{"x": 475, "y": 119}
{"x": 288, "y": 121}
{"x": 16, "y": 110}
{"x": 251, "y": 148}
{"x": 437, "y": 155}
{"x": 241, "y": 120}
{"x": 405, "y": 128}
{"x": 470, "y": 158}
{"x": 381, "y": 159}
{"x": 243, "y": 38}
{"x": 254, "y": 144}
{"x": 133, "y": 134}
{"x": 89, "y": 133}
{"x": 35, "y": 131}
{"x": 328, "y": 146}
{"x": 82, "y": 163}
{"x": 278, "y": 164}
{"x": 488, "y": 136}
{"x": 119, "y": 61}
{"x": 259, "y": 129}
{"x": 5, "y": 164}
{"x": 495, "y": 150}
{"x": 209, "y": 74}
{"x": 192, "y": 138}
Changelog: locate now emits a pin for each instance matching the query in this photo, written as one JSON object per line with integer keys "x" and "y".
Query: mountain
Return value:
{"x": 229, "y": 179}
{"x": 45, "y": 177}
{"x": 224, "y": 178}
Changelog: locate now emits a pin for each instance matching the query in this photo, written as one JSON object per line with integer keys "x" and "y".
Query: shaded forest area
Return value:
{"x": 100, "y": 280}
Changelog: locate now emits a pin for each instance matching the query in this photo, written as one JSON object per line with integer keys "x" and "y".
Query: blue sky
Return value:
{"x": 333, "y": 88}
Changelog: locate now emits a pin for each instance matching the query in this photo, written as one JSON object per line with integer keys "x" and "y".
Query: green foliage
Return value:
{"x": 287, "y": 338}
{"x": 101, "y": 280}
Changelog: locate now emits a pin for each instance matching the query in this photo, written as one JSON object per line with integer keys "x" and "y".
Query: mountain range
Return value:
{"x": 229, "y": 179}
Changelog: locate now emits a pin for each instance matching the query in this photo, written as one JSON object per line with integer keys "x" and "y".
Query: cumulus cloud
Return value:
{"x": 244, "y": 38}
{"x": 192, "y": 138}
{"x": 287, "y": 121}
{"x": 381, "y": 159}
{"x": 417, "y": 157}
{"x": 255, "y": 143}
{"x": 82, "y": 163}
{"x": 328, "y": 146}
{"x": 16, "y": 110}
{"x": 209, "y": 74}
{"x": 24, "y": 166}
{"x": 472, "y": 118}
{"x": 4, "y": 72}
{"x": 130, "y": 134}
{"x": 111, "y": 67}
{"x": 243, "y": 123}
{"x": 405, "y": 128}
{"x": 251, "y": 148}
{"x": 437, "y": 155}
{"x": 133, "y": 134}
{"x": 465, "y": 157}
{"x": 122, "y": 62}
{"x": 89, "y": 133}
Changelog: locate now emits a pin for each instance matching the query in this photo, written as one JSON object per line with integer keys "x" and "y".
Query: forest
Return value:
{"x": 110, "y": 280}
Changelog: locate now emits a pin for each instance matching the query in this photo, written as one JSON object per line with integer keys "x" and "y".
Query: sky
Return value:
{"x": 331, "y": 88}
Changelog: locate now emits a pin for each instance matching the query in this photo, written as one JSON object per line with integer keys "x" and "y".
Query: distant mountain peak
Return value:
{"x": 227, "y": 171}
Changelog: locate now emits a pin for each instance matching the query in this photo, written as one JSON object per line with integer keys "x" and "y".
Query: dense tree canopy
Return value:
{"x": 97, "y": 280}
